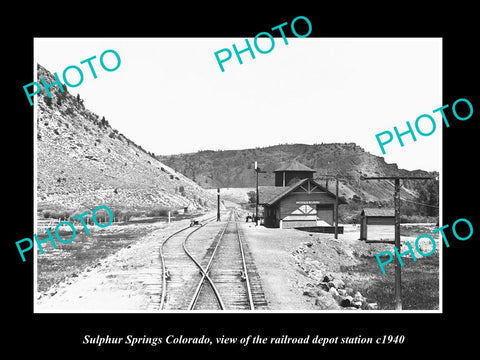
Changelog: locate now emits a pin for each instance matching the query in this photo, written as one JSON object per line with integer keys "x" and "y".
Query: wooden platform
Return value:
{"x": 321, "y": 229}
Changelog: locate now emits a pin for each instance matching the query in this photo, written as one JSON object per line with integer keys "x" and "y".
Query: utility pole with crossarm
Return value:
{"x": 396, "y": 199}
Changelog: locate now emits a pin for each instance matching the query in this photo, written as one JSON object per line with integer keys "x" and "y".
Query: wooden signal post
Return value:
{"x": 396, "y": 199}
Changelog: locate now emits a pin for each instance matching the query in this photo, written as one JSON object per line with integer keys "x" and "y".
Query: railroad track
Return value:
{"x": 225, "y": 277}
{"x": 181, "y": 270}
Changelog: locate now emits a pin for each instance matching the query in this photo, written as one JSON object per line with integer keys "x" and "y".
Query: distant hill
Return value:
{"x": 83, "y": 162}
{"x": 234, "y": 168}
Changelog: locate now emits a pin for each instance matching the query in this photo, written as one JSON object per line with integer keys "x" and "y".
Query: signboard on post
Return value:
{"x": 307, "y": 202}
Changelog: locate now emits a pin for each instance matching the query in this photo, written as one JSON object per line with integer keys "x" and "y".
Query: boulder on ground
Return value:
{"x": 310, "y": 293}
{"x": 350, "y": 291}
{"x": 328, "y": 277}
{"x": 333, "y": 291}
{"x": 346, "y": 301}
{"x": 338, "y": 283}
{"x": 358, "y": 297}
{"x": 326, "y": 302}
{"x": 357, "y": 304}
{"x": 324, "y": 286}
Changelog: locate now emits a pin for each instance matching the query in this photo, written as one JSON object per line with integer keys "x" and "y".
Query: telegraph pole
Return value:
{"x": 398, "y": 268}
{"x": 256, "y": 196}
{"x": 336, "y": 206}
{"x": 257, "y": 170}
{"x": 218, "y": 204}
{"x": 336, "y": 177}
{"x": 396, "y": 201}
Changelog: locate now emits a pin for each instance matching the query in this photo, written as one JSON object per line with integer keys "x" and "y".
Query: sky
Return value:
{"x": 170, "y": 96}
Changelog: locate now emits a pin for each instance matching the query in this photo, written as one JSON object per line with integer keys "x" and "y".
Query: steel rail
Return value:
{"x": 247, "y": 281}
{"x": 193, "y": 302}
{"x": 205, "y": 271}
{"x": 162, "y": 259}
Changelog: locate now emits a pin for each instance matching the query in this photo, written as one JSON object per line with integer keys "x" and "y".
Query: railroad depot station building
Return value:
{"x": 297, "y": 200}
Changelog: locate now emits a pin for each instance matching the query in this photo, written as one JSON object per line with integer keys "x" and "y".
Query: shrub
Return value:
{"x": 116, "y": 213}
{"x": 161, "y": 211}
{"x": 87, "y": 218}
{"x": 122, "y": 215}
{"x": 356, "y": 198}
{"x": 63, "y": 215}
{"x": 418, "y": 219}
{"x": 102, "y": 216}
{"x": 48, "y": 100}
{"x": 125, "y": 215}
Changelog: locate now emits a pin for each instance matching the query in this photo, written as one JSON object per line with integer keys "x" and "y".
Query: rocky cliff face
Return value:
{"x": 83, "y": 162}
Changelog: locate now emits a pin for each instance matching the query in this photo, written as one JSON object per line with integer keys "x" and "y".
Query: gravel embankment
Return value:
{"x": 298, "y": 269}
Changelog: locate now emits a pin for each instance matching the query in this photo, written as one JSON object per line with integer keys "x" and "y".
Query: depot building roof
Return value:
{"x": 378, "y": 212}
{"x": 294, "y": 166}
{"x": 268, "y": 195}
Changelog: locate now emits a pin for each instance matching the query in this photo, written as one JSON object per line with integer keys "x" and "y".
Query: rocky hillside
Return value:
{"x": 83, "y": 162}
{"x": 234, "y": 168}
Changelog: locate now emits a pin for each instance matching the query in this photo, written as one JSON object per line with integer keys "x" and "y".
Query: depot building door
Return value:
{"x": 325, "y": 213}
